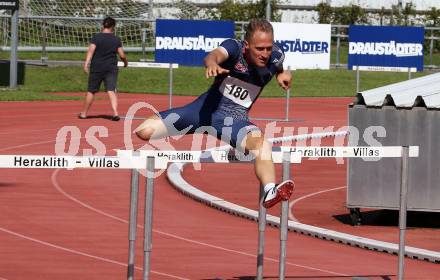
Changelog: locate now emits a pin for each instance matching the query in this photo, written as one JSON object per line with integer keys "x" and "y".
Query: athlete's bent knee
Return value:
{"x": 254, "y": 143}
{"x": 145, "y": 133}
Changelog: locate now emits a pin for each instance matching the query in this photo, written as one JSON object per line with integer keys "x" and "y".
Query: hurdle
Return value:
{"x": 174, "y": 175}
{"x": 152, "y": 160}
{"x": 402, "y": 211}
{"x": 286, "y": 109}
{"x": 160, "y": 159}
{"x": 359, "y": 68}
{"x": 170, "y": 67}
{"x": 284, "y": 155}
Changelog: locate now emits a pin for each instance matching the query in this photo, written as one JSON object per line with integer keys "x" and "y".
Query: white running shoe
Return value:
{"x": 282, "y": 191}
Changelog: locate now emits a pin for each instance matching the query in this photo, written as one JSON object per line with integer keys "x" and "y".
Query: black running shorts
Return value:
{"x": 96, "y": 78}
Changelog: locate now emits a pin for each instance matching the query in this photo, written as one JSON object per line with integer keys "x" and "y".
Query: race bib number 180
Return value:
{"x": 238, "y": 91}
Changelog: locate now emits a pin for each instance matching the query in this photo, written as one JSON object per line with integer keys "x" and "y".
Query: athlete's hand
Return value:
{"x": 284, "y": 79}
{"x": 213, "y": 70}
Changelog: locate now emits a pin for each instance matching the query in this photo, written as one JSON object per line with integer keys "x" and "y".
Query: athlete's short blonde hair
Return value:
{"x": 257, "y": 24}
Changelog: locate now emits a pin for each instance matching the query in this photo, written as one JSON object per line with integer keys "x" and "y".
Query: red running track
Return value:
{"x": 61, "y": 224}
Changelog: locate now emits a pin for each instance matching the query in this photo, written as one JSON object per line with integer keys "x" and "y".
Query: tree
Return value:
{"x": 353, "y": 14}
{"x": 325, "y": 13}
{"x": 408, "y": 12}
{"x": 187, "y": 10}
{"x": 402, "y": 16}
{"x": 433, "y": 17}
{"x": 244, "y": 11}
{"x": 82, "y": 8}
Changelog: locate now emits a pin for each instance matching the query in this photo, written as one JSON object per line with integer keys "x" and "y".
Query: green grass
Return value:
{"x": 186, "y": 80}
{"x": 27, "y": 95}
{"x": 41, "y": 81}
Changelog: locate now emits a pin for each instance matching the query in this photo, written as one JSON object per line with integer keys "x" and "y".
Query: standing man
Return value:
{"x": 101, "y": 56}
{"x": 241, "y": 70}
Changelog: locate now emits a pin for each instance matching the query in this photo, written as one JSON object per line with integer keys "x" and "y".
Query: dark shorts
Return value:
{"x": 109, "y": 78}
{"x": 202, "y": 116}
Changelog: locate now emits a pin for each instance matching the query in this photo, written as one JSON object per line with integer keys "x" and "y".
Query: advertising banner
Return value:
{"x": 306, "y": 46}
{"x": 9, "y": 4}
{"x": 386, "y": 48}
{"x": 187, "y": 42}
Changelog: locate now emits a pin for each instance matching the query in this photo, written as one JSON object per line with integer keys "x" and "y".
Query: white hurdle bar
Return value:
{"x": 170, "y": 67}
{"x": 151, "y": 160}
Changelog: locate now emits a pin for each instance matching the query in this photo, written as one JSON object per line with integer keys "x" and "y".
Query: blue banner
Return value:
{"x": 388, "y": 48}
{"x": 9, "y": 5}
{"x": 187, "y": 42}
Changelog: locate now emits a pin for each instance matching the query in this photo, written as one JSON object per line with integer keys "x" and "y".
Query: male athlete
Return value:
{"x": 241, "y": 70}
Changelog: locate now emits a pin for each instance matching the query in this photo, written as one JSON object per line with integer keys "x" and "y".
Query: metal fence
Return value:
{"x": 71, "y": 34}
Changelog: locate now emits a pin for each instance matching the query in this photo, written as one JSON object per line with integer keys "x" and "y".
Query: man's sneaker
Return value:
{"x": 282, "y": 191}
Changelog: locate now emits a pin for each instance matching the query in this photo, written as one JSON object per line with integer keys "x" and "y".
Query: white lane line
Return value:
{"x": 27, "y": 132}
{"x": 81, "y": 253}
{"x": 71, "y": 250}
{"x": 293, "y": 202}
{"x": 57, "y": 186}
{"x": 46, "y": 142}
{"x": 26, "y": 145}
{"x": 248, "y": 254}
{"x": 53, "y": 177}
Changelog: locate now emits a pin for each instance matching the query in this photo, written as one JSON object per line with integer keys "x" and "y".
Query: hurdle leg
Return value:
{"x": 261, "y": 228}
{"x": 148, "y": 216}
{"x": 170, "y": 86}
{"x": 284, "y": 219}
{"x": 132, "y": 225}
{"x": 357, "y": 79}
{"x": 283, "y": 238}
{"x": 402, "y": 211}
{"x": 287, "y": 101}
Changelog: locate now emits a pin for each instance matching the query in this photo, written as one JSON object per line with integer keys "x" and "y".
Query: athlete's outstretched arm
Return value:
{"x": 213, "y": 61}
{"x": 284, "y": 79}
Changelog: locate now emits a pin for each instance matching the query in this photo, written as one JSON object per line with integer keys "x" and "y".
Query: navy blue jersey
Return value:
{"x": 239, "y": 69}
{"x": 225, "y": 106}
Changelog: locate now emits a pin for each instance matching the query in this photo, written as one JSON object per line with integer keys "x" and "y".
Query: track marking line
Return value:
{"x": 53, "y": 178}
{"x": 26, "y": 145}
{"x": 57, "y": 187}
{"x": 81, "y": 253}
{"x": 293, "y": 202}
{"x": 47, "y": 142}
{"x": 28, "y": 131}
